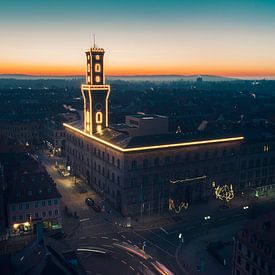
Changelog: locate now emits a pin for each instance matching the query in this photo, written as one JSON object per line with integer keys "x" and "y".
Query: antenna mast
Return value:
{"x": 94, "y": 41}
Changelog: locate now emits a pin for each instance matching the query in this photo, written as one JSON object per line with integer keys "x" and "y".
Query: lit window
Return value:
{"x": 98, "y": 128}
{"x": 89, "y": 67}
{"x": 89, "y": 79}
{"x": 97, "y": 68}
{"x": 98, "y": 117}
{"x": 97, "y": 57}
{"x": 266, "y": 148}
{"x": 97, "y": 79}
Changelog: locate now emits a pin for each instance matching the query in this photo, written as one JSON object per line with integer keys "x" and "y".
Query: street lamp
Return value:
{"x": 245, "y": 207}
{"x": 207, "y": 218}
{"x": 181, "y": 240}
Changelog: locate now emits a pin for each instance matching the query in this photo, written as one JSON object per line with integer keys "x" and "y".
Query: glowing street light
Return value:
{"x": 245, "y": 207}
{"x": 207, "y": 218}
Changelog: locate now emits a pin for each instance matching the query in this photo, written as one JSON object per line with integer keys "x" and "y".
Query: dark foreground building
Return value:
{"x": 142, "y": 169}
{"x": 254, "y": 249}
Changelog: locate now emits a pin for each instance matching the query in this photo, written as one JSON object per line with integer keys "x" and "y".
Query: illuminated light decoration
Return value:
{"x": 224, "y": 192}
{"x": 153, "y": 147}
{"x": 97, "y": 57}
{"x": 98, "y": 117}
{"x": 177, "y": 209}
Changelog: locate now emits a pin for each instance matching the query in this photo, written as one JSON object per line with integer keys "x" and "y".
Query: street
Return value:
{"x": 101, "y": 231}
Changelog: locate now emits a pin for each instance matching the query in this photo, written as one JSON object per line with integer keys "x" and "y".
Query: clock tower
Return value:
{"x": 95, "y": 92}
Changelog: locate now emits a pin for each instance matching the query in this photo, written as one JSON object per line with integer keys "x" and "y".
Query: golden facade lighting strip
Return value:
{"x": 154, "y": 147}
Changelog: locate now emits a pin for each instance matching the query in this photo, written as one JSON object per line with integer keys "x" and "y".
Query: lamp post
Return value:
{"x": 181, "y": 240}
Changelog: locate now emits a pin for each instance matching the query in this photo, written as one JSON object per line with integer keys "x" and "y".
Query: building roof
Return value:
{"x": 125, "y": 142}
{"x": 32, "y": 183}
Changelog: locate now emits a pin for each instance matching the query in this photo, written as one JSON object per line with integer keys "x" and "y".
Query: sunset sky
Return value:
{"x": 221, "y": 37}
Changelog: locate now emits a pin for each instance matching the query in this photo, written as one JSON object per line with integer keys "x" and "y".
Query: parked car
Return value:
{"x": 90, "y": 202}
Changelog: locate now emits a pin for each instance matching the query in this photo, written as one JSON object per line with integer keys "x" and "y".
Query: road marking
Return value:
{"x": 84, "y": 220}
{"x": 123, "y": 236}
{"x": 143, "y": 265}
{"x": 162, "y": 229}
{"x": 159, "y": 236}
{"x": 115, "y": 239}
{"x": 104, "y": 238}
{"x": 129, "y": 241}
{"x": 153, "y": 244}
{"x": 130, "y": 254}
{"x": 132, "y": 268}
{"x": 123, "y": 261}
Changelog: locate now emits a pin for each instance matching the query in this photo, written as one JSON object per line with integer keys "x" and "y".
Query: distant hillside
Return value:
{"x": 152, "y": 78}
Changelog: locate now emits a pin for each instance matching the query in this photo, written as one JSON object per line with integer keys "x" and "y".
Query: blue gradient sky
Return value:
{"x": 235, "y": 38}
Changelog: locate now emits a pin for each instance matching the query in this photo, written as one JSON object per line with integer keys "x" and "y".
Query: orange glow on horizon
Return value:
{"x": 76, "y": 70}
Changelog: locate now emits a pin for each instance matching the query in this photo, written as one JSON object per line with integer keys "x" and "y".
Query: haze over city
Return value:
{"x": 227, "y": 38}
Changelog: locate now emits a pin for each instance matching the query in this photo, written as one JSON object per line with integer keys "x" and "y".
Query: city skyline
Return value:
{"x": 159, "y": 38}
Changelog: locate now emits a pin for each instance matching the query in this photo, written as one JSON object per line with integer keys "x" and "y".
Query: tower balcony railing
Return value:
{"x": 91, "y": 87}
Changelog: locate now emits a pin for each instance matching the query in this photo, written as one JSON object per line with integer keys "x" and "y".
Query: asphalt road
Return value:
{"x": 99, "y": 230}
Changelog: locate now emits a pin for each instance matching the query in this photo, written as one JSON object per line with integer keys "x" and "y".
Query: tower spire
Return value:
{"x": 94, "y": 41}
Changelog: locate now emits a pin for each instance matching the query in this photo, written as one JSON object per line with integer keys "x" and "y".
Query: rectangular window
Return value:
{"x": 55, "y": 201}
{"x": 20, "y": 206}
{"x": 134, "y": 164}
{"x": 36, "y": 215}
{"x": 13, "y": 207}
{"x": 27, "y": 206}
{"x": 56, "y": 212}
{"x": 50, "y": 212}
{"x": 49, "y": 202}
{"x": 36, "y": 204}
{"x": 43, "y": 214}
{"x": 43, "y": 203}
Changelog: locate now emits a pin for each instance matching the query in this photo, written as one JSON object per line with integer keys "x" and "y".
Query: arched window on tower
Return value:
{"x": 98, "y": 117}
{"x": 97, "y": 68}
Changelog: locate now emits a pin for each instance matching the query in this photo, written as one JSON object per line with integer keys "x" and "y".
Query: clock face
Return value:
{"x": 98, "y": 106}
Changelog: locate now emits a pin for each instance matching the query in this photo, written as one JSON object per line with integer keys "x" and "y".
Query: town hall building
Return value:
{"x": 143, "y": 169}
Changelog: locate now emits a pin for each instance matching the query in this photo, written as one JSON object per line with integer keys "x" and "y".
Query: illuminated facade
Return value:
{"x": 139, "y": 172}
{"x": 95, "y": 93}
